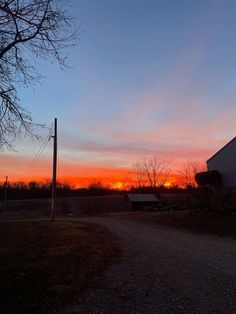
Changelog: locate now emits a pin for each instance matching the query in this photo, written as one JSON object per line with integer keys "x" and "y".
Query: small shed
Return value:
{"x": 142, "y": 201}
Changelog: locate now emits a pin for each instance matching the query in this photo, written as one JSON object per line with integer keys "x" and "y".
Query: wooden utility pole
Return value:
{"x": 5, "y": 196}
{"x": 54, "y": 172}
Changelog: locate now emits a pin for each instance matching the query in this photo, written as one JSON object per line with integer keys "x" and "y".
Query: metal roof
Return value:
{"x": 142, "y": 197}
{"x": 220, "y": 150}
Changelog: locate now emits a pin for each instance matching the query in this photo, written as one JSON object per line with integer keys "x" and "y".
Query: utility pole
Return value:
{"x": 54, "y": 172}
{"x": 5, "y": 196}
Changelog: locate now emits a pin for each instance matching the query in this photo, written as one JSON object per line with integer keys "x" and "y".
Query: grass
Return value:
{"x": 44, "y": 266}
{"x": 193, "y": 221}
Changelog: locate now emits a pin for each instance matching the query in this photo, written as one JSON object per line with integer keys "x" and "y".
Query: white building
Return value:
{"x": 224, "y": 161}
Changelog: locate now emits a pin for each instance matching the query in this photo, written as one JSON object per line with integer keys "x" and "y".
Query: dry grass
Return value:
{"x": 193, "y": 221}
{"x": 36, "y": 208}
{"x": 44, "y": 267}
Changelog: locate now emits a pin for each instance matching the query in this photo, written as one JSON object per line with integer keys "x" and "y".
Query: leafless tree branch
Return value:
{"x": 29, "y": 29}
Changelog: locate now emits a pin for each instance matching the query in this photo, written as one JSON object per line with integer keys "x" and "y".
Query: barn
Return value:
{"x": 142, "y": 201}
{"x": 224, "y": 162}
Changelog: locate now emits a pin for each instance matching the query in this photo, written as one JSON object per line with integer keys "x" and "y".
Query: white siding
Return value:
{"x": 225, "y": 162}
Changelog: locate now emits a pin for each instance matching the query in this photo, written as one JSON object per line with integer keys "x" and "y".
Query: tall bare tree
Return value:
{"x": 29, "y": 29}
{"x": 139, "y": 174}
{"x": 152, "y": 172}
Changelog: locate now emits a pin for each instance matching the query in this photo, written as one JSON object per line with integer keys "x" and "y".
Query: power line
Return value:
{"x": 35, "y": 160}
{"x": 38, "y": 155}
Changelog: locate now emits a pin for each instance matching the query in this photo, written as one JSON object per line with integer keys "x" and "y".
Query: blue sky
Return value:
{"x": 147, "y": 77}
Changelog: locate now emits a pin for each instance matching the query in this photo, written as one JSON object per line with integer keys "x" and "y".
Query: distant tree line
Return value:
{"x": 34, "y": 189}
{"x": 39, "y": 190}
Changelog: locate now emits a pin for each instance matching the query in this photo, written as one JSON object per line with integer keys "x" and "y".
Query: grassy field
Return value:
{"x": 45, "y": 266}
{"x": 77, "y": 206}
{"x": 191, "y": 220}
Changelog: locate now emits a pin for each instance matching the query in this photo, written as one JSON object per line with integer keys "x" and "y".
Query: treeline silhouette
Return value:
{"x": 39, "y": 190}
{"x": 34, "y": 190}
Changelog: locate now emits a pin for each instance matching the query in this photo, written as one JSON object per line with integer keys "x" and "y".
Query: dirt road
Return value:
{"x": 164, "y": 271}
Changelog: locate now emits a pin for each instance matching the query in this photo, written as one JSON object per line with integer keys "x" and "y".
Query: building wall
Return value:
{"x": 225, "y": 162}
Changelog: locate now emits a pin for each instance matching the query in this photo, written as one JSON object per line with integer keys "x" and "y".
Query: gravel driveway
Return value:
{"x": 164, "y": 271}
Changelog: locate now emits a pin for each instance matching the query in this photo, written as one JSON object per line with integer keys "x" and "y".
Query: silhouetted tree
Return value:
{"x": 152, "y": 172}
{"x": 47, "y": 185}
{"x": 139, "y": 174}
{"x": 189, "y": 171}
{"x": 96, "y": 185}
{"x": 29, "y": 29}
{"x": 19, "y": 185}
{"x": 33, "y": 185}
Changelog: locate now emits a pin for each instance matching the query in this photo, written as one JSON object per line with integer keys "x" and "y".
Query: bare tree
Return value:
{"x": 156, "y": 170}
{"x": 189, "y": 170}
{"x": 139, "y": 174}
{"x": 152, "y": 172}
{"x": 96, "y": 185}
{"x": 29, "y": 29}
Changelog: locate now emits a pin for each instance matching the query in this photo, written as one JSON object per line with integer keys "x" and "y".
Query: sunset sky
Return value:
{"x": 147, "y": 77}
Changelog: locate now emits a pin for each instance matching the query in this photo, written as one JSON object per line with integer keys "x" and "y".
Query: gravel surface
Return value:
{"x": 164, "y": 271}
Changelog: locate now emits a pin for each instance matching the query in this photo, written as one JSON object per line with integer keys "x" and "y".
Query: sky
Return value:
{"x": 147, "y": 78}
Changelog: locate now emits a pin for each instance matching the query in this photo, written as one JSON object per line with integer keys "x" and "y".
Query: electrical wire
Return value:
{"x": 35, "y": 160}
